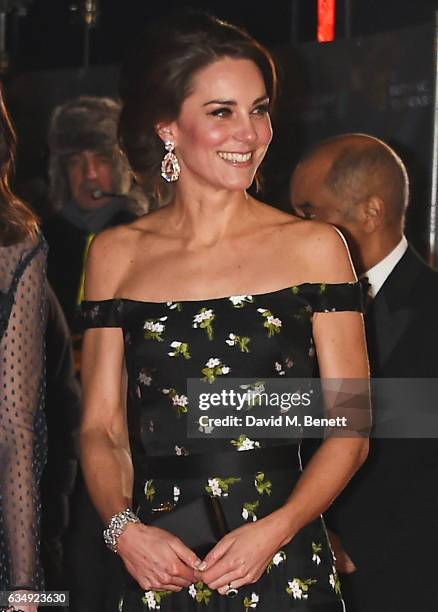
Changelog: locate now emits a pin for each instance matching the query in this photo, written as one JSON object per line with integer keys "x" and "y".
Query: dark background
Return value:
{"x": 377, "y": 78}
{"x": 50, "y": 36}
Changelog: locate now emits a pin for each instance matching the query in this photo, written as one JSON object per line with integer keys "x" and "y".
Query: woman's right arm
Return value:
{"x": 155, "y": 558}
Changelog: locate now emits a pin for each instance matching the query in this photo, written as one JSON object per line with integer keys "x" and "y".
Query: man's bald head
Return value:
{"x": 359, "y": 184}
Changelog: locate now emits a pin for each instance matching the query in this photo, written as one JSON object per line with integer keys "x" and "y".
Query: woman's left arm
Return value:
{"x": 243, "y": 555}
{"x": 342, "y": 357}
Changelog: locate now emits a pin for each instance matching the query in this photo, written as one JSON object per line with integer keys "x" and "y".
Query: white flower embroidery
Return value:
{"x": 172, "y": 305}
{"x": 252, "y": 603}
{"x": 332, "y": 581}
{"x": 192, "y": 591}
{"x": 144, "y": 379}
{"x": 151, "y": 601}
{"x": 275, "y": 321}
{"x": 249, "y": 510}
{"x": 278, "y": 558}
{"x": 179, "y": 400}
{"x": 279, "y": 368}
{"x": 202, "y": 316}
{"x": 155, "y": 326}
{"x": 213, "y": 369}
{"x": 176, "y": 344}
{"x": 247, "y": 444}
{"x": 213, "y": 483}
{"x": 239, "y": 300}
{"x": 296, "y": 590}
{"x": 231, "y": 339}
{"x": 316, "y": 559}
{"x": 213, "y": 362}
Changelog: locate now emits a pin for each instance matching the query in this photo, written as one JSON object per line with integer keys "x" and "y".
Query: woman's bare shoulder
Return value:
{"x": 321, "y": 247}
{"x": 113, "y": 252}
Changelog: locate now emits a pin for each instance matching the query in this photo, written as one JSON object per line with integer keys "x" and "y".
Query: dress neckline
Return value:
{"x": 289, "y": 288}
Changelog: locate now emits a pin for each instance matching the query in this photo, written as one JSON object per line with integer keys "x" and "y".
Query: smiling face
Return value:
{"x": 224, "y": 128}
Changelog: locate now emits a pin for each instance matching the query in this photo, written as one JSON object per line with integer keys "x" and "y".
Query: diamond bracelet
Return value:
{"x": 117, "y": 526}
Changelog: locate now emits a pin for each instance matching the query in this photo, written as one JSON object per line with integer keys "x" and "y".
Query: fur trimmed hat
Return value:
{"x": 85, "y": 123}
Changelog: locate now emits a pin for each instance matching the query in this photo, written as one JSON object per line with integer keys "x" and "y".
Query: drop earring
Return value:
{"x": 170, "y": 168}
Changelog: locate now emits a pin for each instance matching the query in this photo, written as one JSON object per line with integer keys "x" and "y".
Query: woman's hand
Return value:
{"x": 243, "y": 555}
{"x": 156, "y": 559}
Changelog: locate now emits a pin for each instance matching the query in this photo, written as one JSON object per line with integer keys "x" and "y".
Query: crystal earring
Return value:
{"x": 170, "y": 169}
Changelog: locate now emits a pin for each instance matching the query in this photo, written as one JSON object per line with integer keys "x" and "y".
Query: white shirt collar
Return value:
{"x": 378, "y": 274}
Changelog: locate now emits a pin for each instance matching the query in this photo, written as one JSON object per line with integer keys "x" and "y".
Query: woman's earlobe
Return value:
{"x": 164, "y": 131}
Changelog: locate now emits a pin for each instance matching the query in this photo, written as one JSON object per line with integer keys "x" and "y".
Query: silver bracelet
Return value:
{"x": 117, "y": 526}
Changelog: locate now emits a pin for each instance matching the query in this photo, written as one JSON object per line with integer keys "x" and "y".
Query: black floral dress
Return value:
{"x": 265, "y": 335}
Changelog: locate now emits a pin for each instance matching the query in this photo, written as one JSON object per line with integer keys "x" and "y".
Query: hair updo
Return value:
{"x": 158, "y": 77}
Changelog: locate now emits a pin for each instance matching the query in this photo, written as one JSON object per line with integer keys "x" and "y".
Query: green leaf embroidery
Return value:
{"x": 203, "y": 593}
{"x": 299, "y": 588}
{"x": 181, "y": 349}
{"x": 219, "y": 487}
{"x": 316, "y": 549}
{"x": 152, "y": 599}
{"x": 272, "y": 324}
{"x": 251, "y": 602}
{"x": 214, "y": 368}
{"x": 245, "y": 443}
{"x": 263, "y": 486}
{"x": 204, "y": 319}
{"x": 149, "y": 490}
{"x": 335, "y": 582}
{"x": 154, "y": 328}
{"x": 249, "y": 510}
{"x": 179, "y": 401}
{"x": 241, "y": 341}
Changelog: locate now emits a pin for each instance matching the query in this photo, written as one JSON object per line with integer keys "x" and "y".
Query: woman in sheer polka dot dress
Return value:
{"x": 22, "y": 428}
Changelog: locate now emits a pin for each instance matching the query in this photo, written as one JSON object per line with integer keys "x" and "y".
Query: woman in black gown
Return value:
{"x": 22, "y": 425}
{"x": 215, "y": 284}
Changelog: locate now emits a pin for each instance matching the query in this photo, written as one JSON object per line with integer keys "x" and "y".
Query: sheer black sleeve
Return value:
{"x": 22, "y": 425}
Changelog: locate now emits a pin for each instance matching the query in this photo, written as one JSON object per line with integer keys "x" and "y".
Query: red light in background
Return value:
{"x": 326, "y": 20}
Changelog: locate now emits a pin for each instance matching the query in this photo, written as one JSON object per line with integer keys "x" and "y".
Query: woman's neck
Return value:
{"x": 207, "y": 217}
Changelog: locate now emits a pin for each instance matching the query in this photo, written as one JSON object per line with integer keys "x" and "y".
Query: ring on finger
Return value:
{"x": 231, "y": 591}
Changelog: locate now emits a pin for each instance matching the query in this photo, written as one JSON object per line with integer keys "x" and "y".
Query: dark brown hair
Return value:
{"x": 17, "y": 221}
{"x": 158, "y": 77}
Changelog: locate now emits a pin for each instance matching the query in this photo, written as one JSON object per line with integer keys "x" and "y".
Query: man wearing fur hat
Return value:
{"x": 91, "y": 188}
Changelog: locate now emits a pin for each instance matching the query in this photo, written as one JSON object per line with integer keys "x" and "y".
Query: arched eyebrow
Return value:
{"x": 234, "y": 103}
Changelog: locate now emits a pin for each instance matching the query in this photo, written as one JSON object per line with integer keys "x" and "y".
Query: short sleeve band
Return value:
{"x": 335, "y": 297}
{"x": 104, "y": 313}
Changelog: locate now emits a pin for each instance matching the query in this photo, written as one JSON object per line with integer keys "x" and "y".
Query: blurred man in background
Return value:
{"x": 91, "y": 188}
{"x": 386, "y": 520}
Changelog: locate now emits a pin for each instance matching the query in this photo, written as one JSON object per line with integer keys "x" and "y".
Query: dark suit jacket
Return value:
{"x": 389, "y": 511}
